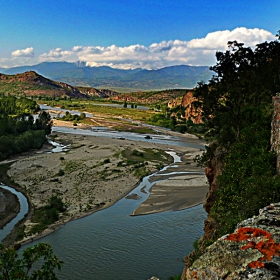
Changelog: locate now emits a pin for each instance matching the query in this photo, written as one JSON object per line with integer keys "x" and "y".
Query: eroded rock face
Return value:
{"x": 195, "y": 114}
{"x": 213, "y": 170}
{"x": 251, "y": 252}
{"x": 275, "y": 132}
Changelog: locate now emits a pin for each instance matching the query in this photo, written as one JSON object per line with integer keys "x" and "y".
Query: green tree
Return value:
{"x": 44, "y": 122}
{"x": 125, "y": 104}
{"x": 41, "y": 255}
{"x": 240, "y": 90}
{"x": 237, "y": 110}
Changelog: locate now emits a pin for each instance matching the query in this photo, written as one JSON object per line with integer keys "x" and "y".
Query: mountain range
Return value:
{"x": 78, "y": 74}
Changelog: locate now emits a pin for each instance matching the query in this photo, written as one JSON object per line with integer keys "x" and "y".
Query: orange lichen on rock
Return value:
{"x": 257, "y": 239}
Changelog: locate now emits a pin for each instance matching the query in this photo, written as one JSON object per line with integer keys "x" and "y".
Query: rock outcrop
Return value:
{"x": 275, "y": 132}
{"x": 191, "y": 112}
{"x": 251, "y": 252}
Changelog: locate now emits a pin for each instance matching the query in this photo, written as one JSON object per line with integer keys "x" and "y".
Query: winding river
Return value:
{"x": 111, "y": 244}
{"x": 23, "y": 210}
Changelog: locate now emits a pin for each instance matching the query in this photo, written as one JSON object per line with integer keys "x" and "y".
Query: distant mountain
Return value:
{"x": 78, "y": 74}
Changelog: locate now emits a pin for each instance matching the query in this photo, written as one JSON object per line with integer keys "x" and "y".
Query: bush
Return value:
{"x": 107, "y": 160}
{"x": 60, "y": 172}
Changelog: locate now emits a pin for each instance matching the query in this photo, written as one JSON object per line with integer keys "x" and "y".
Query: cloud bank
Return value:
{"x": 28, "y": 52}
{"x": 200, "y": 51}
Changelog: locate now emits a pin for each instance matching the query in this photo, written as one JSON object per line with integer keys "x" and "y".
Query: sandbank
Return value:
{"x": 94, "y": 179}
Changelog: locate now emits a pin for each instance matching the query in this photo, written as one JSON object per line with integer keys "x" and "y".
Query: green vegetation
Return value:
{"x": 47, "y": 215}
{"x": 37, "y": 263}
{"x": 138, "y": 160}
{"x": 75, "y": 118}
{"x": 18, "y": 131}
{"x": 237, "y": 113}
{"x": 177, "y": 277}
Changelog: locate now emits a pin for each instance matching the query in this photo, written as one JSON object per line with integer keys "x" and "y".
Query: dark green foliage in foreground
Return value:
{"x": 14, "y": 268}
{"x": 241, "y": 91}
{"x": 237, "y": 111}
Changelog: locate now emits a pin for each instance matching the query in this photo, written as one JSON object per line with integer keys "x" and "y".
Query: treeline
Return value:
{"x": 237, "y": 114}
{"x": 11, "y": 105}
{"x": 19, "y": 132}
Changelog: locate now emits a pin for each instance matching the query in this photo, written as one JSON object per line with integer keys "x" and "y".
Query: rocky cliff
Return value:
{"x": 191, "y": 112}
{"x": 253, "y": 250}
{"x": 275, "y": 131}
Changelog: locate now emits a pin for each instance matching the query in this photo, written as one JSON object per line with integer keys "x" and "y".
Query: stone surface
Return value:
{"x": 252, "y": 252}
{"x": 195, "y": 114}
{"x": 275, "y": 132}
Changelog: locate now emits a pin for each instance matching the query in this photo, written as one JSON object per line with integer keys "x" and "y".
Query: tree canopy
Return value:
{"x": 241, "y": 89}
{"x": 37, "y": 263}
{"x": 237, "y": 114}
{"x": 18, "y": 130}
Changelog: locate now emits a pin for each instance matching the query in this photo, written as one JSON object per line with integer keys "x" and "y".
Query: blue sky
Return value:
{"x": 130, "y": 33}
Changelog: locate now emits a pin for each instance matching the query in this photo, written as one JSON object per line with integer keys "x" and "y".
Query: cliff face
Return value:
{"x": 191, "y": 112}
{"x": 275, "y": 132}
{"x": 213, "y": 170}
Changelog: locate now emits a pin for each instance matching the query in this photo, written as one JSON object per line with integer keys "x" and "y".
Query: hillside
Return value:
{"x": 32, "y": 84}
{"x": 78, "y": 74}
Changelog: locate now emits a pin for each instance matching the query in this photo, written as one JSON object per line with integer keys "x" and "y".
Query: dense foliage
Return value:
{"x": 237, "y": 110}
{"x": 19, "y": 131}
{"x": 10, "y": 105}
{"x": 47, "y": 215}
{"x": 40, "y": 256}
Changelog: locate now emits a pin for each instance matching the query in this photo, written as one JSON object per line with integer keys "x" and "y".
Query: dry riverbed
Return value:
{"x": 94, "y": 174}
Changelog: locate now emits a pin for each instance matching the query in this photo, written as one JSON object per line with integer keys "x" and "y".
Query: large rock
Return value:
{"x": 251, "y": 252}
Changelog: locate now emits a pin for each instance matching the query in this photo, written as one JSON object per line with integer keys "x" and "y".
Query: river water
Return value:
{"x": 112, "y": 245}
{"x": 23, "y": 210}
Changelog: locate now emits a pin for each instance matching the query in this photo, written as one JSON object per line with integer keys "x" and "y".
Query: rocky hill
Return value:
{"x": 32, "y": 84}
{"x": 93, "y": 92}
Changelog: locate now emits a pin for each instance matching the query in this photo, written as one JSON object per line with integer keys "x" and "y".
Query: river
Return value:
{"x": 23, "y": 210}
{"x": 111, "y": 244}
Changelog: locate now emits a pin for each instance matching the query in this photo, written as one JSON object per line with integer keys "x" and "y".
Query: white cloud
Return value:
{"x": 199, "y": 51}
{"x": 28, "y": 52}
{"x": 218, "y": 40}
